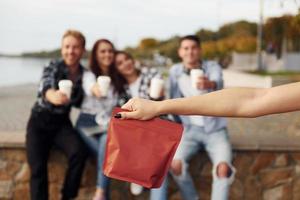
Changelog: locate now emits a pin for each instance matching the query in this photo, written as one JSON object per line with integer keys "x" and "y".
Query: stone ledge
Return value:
{"x": 12, "y": 140}
{"x": 239, "y": 142}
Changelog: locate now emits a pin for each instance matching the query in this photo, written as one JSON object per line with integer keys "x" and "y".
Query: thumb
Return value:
{"x": 127, "y": 115}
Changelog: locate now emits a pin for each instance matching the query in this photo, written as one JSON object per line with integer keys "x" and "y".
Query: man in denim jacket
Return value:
{"x": 200, "y": 132}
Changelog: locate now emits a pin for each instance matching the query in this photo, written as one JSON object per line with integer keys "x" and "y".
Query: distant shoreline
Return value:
{"x": 22, "y": 56}
{"x": 47, "y": 54}
{"x": 18, "y": 85}
{"x": 27, "y": 56}
{"x": 10, "y": 56}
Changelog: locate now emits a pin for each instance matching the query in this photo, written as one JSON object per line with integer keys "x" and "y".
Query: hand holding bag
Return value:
{"x": 140, "y": 151}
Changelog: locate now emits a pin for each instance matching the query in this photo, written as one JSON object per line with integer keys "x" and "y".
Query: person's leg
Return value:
{"x": 70, "y": 143}
{"x": 89, "y": 132}
{"x": 102, "y": 180}
{"x": 90, "y": 141}
{"x": 160, "y": 193}
{"x": 180, "y": 167}
{"x": 37, "y": 148}
{"x": 219, "y": 150}
{"x": 85, "y": 125}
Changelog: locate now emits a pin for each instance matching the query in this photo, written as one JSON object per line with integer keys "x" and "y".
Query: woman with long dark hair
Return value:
{"x": 133, "y": 82}
{"x": 96, "y": 108}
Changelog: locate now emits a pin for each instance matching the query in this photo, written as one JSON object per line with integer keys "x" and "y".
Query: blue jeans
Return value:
{"x": 96, "y": 143}
{"x": 160, "y": 193}
{"x": 218, "y": 147}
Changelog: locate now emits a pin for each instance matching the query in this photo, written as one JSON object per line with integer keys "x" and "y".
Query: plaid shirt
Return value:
{"x": 52, "y": 74}
{"x": 146, "y": 75}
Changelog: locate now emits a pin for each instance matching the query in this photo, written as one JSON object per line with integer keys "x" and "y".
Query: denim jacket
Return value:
{"x": 214, "y": 73}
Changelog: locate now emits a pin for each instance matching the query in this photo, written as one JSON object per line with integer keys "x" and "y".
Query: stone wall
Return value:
{"x": 248, "y": 61}
{"x": 233, "y": 78}
{"x": 265, "y": 175}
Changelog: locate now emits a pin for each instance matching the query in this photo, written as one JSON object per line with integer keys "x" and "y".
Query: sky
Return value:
{"x": 34, "y": 25}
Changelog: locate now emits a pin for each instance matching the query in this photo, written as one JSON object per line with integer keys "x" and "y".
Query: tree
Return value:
{"x": 293, "y": 32}
{"x": 169, "y": 48}
{"x": 206, "y": 35}
{"x": 275, "y": 31}
{"x": 239, "y": 28}
{"x": 148, "y": 43}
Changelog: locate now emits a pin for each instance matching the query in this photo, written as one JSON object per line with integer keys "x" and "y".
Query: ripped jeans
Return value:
{"x": 218, "y": 147}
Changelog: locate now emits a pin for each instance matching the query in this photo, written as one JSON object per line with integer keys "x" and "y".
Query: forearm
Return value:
{"x": 235, "y": 102}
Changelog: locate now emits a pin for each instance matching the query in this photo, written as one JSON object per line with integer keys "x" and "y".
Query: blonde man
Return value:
{"x": 49, "y": 123}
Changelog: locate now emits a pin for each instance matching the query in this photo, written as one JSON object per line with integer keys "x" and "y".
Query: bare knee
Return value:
{"x": 223, "y": 170}
{"x": 176, "y": 167}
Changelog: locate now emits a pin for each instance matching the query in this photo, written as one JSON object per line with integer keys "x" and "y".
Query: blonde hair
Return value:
{"x": 77, "y": 34}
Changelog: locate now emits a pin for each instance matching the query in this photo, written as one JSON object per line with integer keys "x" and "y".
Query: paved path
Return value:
{"x": 15, "y": 104}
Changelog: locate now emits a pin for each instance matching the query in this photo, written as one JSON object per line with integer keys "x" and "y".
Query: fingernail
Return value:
{"x": 118, "y": 116}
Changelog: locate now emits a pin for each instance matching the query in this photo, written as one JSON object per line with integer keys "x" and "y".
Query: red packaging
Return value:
{"x": 140, "y": 151}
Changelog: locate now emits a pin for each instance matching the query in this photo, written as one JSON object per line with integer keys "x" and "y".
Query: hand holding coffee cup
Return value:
{"x": 203, "y": 83}
{"x": 104, "y": 84}
{"x": 156, "y": 88}
{"x": 56, "y": 97}
{"x": 65, "y": 86}
{"x": 96, "y": 90}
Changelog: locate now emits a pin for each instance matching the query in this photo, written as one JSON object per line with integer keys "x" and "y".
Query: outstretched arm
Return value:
{"x": 233, "y": 102}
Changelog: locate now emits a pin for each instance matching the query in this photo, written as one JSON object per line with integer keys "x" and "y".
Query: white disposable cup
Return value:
{"x": 104, "y": 83}
{"x": 65, "y": 86}
{"x": 195, "y": 74}
{"x": 156, "y": 87}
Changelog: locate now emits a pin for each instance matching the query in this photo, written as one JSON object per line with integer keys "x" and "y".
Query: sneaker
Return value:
{"x": 136, "y": 189}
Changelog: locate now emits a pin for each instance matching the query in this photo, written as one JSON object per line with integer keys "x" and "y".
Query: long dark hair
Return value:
{"x": 94, "y": 65}
{"x": 121, "y": 81}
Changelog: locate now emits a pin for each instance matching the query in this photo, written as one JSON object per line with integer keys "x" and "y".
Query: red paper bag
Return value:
{"x": 140, "y": 151}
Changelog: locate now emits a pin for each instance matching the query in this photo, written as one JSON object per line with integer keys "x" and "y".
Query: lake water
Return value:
{"x": 17, "y": 70}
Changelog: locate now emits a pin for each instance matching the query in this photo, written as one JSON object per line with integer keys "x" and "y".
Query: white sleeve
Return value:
{"x": 89, "y": 79}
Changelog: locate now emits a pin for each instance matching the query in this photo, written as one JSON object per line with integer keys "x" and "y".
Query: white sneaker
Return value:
{"x": 136, "y": 189}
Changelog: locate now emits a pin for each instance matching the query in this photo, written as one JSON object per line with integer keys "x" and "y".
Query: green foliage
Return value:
{"x": 283, "y": 31}
{"x": 238, "y": 36}
{"x": 48, "y": 54}
{"x": 147, "y": 44}
{"x": 278, "y": 73}
{"x": 207, "y": 35}
{"x": 169, "y": 48}
{"x": 237, "y": 29}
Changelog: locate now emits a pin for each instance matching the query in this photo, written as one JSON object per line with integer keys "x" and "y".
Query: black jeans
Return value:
{"x": 44, "y": 130}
